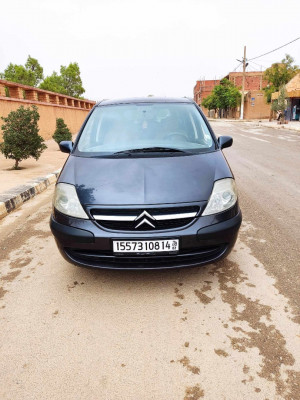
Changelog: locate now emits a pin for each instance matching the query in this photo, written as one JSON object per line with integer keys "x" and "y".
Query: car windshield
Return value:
{"x": 148, "y": 127}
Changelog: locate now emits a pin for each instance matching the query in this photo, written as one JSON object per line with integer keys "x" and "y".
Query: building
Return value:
{"x": 293, "y": 94}
{"x": 203, "y": 89}
{"x": 253, "y": 80}
{"x": 255, "y": 106}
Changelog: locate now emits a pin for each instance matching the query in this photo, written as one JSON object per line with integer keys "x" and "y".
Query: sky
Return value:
{"x": 128, "y": 48}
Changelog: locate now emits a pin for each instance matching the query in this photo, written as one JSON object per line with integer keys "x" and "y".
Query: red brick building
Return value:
{"x": 253, "y": 80}
{"x": 203, "y": 89}
{"x": 255, "y": 104}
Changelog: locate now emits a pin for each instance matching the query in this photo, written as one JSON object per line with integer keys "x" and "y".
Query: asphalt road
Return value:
{"x": 225, "y": 331}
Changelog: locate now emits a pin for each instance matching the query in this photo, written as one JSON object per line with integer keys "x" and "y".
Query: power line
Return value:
{"x": 254, "y": 58}
{"x": 254, "y": 66}
{"x": 260, "y": 65}
{"x": 237, "y": 67}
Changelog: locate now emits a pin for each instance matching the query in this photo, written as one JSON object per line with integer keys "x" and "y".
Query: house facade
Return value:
{"x": 293, "y": 94}
{"x": 253, "y": 80}
{"x": 255, "y": 105}
{"x": 203, "y": 88}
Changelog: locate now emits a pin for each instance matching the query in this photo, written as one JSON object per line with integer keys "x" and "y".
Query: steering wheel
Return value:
{"x": 176, "y": 134}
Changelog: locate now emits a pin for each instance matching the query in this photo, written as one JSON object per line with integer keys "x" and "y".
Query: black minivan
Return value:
{"x": 146, "y": 186}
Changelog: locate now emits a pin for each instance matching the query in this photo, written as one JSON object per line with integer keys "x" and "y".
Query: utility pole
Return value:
{"x": 243, "y": 84}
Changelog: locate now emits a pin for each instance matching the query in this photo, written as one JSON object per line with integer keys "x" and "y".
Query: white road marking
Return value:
{"x": 287, "y": 139}
{"x": 255, "y": 138}
{"x": 255, "y": 132}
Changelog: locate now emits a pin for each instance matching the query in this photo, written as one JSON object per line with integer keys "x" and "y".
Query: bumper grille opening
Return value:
{"x": 109, "y": 260}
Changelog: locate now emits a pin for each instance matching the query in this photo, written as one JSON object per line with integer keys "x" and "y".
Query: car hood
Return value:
{"x": 155, "y": 180}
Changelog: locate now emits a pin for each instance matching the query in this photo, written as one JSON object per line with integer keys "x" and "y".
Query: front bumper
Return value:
{"x": 206, "y": 240}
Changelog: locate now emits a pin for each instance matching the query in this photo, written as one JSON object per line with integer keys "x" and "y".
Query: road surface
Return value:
{"x": 225, "y": 331}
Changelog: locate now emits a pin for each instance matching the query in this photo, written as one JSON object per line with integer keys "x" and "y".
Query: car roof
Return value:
{"x": 145, "y": 100}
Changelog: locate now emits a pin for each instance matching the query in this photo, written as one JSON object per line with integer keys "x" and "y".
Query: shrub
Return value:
{"x": 20, "y": 135}
{"x": 281, "y": 104}
{"x": 62, "y": 132}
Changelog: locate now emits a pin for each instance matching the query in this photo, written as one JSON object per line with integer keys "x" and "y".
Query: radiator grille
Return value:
{"x": 148, "y": 219}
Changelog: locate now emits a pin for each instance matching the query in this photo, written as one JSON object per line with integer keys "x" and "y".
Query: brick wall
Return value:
{"x": 202, "y": 89}
{"x": 50, "y": 106}
{"x": 253, "y": 80}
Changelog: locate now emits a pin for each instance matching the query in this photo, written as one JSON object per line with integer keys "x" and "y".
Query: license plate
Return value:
{"x": 145, "y": 246}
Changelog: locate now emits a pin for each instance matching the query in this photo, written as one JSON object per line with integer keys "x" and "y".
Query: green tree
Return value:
{"x": 210, "y": 102}
{"x": 15, "y": 73}
{"x": 279, "y": 74}
{"x": 71, "y": 80}
{"x": 224, "y": 96}
{"x": 62, "y": 132}
{"x": 53, "y": 83}
{"x": 31, "y": 74}
{"x": 68, "y": 82}
{"x": 227, "y": 94}
{"x": 20, "y": 135}
{"x": 35, "y": 70}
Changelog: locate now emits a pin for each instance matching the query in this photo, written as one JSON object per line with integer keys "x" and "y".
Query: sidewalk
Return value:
{"x": 51, "y": 160}
{"x": 292, "y": 125}
{"x": 18, "y": 186}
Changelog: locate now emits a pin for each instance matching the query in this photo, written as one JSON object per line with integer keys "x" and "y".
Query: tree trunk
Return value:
{"x": 16, "y": 164}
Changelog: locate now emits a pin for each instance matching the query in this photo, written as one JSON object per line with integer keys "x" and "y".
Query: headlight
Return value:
{"x": 223, "y": 196}
{"x": 66, "y": 201}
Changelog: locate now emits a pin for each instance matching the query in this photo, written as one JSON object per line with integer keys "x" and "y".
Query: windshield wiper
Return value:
{"x": 151, "y": 150}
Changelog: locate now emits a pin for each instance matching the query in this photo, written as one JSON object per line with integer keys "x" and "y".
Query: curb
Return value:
{"x": 257, "y": 123}
{"x": 288, "y": 128}
{"x": 18, "y": 195}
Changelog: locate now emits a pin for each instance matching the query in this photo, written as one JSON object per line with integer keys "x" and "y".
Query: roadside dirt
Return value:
{"x": 70, "y": 333}
{"x": 51, "y": 160}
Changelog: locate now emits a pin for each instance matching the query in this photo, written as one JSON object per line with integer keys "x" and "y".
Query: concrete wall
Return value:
{"x": 50, "y": 106}
{"x": 255, "y": 106}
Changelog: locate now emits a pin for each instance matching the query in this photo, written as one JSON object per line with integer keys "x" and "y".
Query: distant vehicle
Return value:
{"x": 146, "y": 186}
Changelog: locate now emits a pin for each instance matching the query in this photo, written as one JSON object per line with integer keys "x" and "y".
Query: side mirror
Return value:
{"x": 66, "y": 146}
{"x": 225, "y": 141}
